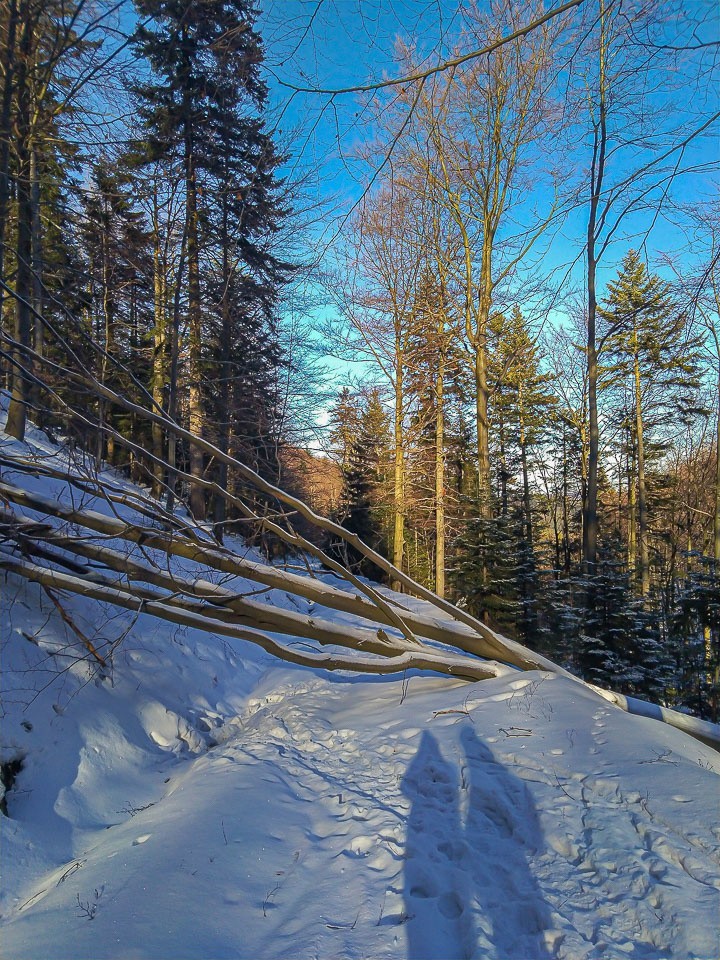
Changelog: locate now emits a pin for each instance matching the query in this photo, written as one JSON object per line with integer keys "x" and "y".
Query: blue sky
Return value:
{"x": 336, "y": 43}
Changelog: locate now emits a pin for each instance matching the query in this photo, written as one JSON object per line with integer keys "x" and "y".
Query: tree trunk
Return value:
{"x": 642, "y": 492}
{"x": 632, "y": 506}
{"x": 590, "y": 517}
{"x": 37, "y": 268}
{"x": 440, "y": 475}
{"x": 173, "y": 386}
{"x": 567, "y": 559}
{"x": 5, "y": 117}
{"x": 159, "y": 361}
{"x": 501, "y": 435}
{"x": 195, "y": 404}
{"x": 481, "y": 397}
{"x": 224, "y": 400}
{"x": 527, "y": 506}
{"x": 716, "y": 521}
{"x": 17, "y": 411}
{"x": 398, "y": 539}
{"x": 108, "y": 315}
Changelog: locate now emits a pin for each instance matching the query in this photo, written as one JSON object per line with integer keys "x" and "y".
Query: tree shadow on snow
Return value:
{"x": 468, "y": 888}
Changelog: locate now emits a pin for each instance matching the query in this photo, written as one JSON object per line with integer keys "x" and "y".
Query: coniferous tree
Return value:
{"x": 35, "y": 165}
{"x": 361, "y": 427}
{"x": 118, "y": 270}
{"x": 202, "y": 109}
{"x": 621, "y": 643}
{"x": 650, "y": 349}
{"x": 694, "y": 632}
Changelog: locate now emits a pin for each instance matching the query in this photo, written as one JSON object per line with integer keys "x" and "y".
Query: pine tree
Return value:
{"x": 203, "y": 109}
{"x": 648, "y": 343}
{"x": 365, "y": 507}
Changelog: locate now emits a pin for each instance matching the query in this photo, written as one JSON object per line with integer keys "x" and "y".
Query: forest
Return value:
{"x": 456, "y": 289}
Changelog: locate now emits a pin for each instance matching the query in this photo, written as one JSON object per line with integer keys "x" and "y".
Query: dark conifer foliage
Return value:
{"x": 202, "y": 109}
{"x": 361, "y": 432}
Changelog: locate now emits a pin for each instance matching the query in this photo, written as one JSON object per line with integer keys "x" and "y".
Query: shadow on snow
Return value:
{"x": 468, "y": 887}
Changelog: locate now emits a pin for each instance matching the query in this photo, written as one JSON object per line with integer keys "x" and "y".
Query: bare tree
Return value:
{"x": 480, "y": 128}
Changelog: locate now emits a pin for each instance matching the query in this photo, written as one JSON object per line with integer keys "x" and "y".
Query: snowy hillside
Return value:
{"x": 201, "y": 799}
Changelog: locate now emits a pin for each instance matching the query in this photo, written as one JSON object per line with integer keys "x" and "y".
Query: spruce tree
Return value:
{"x": 118, "y": 269}
{"x": 362, "y": 426}
{"x": 35, "y": 165}
{"x": 621, "y": 643}
{"x": 203, "y": 109}
{"x": 649, "y": 348}
{"x": 496, "y": 567}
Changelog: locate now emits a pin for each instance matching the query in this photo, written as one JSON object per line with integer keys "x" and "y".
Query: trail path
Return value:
{"x": 380, "y": 819}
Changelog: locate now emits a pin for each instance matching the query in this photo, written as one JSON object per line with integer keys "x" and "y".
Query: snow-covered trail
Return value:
{"x": 379, "y": 819}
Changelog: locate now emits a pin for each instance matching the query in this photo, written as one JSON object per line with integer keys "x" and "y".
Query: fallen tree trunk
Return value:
{"x": 460, "y": 667}
{"x": 223, "y": 603}
{"x": 487, "y": 645}
{"x": 227, "y": 613}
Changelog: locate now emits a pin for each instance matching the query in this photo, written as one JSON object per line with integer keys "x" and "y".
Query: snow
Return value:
{"x": 203, "y": 800}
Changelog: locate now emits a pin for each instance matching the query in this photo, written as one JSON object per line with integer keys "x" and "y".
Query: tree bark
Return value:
{"x": 481, "y": 390}
{"x": 642, "y": 492}
{"x": 37, "y": 267}
{"x": 440, "y": 469}
{"x": 527, "y": 504}
{"x": 398, "y": 539}
{"x": 195, "y": 401}
{"x": 632, "y": 505}
{"x": 716, "y": 519}
{"x": 9, "y": 55}
{"x": 20, "y": 390}
{"x": 160, "y": 345}
{"x": 597, "y": 173}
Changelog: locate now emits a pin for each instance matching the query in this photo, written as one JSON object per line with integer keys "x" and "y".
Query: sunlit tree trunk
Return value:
{"x": 398, "y": 539}
{"x": 597, "y": 173}
{"x": 160, "y": 344}
{"x": 632, "y": 505}
{"x": 440, "y": 471}
{"x": 195, "y": 405}
{"x": 642, "y": 492}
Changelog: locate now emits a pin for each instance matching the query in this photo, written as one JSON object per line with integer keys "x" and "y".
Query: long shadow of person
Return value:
{"x": 435, "y": 892}
{"x": 503, "y": 831}
{"x": 468, "y": 888}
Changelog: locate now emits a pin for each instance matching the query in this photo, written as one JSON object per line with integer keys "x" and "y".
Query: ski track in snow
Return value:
{"x": 209, "y": 802}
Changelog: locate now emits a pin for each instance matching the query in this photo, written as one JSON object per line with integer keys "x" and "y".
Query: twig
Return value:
{"x": 86, "y": 641}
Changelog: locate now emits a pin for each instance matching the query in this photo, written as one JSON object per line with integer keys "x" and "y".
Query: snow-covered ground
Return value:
{"x": 202, "y": 800}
